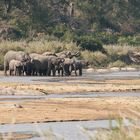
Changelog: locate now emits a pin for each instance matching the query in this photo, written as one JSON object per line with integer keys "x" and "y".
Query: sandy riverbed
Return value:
{"x": 69, "y": 109}
{"x": 66, "y": 109}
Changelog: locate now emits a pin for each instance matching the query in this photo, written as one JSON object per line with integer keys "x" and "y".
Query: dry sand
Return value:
{"x": 78, "y": 86}
{"x": 69, "y": 109}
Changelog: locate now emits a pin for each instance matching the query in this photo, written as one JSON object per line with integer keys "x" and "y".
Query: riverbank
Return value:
{"x": 89, "y": 82}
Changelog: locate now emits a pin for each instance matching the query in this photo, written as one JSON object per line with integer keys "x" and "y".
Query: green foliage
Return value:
{"x": 107, "y": 38}
{"x": 89, "y": 43}
{"x": 90, "y": 17}
{"x": 130, "y": 40}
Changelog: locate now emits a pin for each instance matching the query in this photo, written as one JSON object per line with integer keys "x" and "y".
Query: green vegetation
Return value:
{"x": 114, "y": 57}
{"x": 109, "y": 22}
{"x": 88, "y": 26}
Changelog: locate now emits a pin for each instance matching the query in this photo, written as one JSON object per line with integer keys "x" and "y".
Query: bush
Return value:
{"x": 96, "y": 59}
{"x": 107, "y": 38}
{"x": 89, "y": 43}
{"x": 117, "y": 63}
{"x": 130, "y": 40}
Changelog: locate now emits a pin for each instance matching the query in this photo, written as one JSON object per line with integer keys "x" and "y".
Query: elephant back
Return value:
{"x": 17, "y": 55}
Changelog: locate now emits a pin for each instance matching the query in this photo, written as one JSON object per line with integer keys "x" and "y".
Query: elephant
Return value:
{"x": 15, "y": 66}
{"x": 40, "y": 65}
{"x": 68, "y": 54}
{"x": 79, "y": 65}
{"x": 134, "y": 57}
{"x": 49, "y": 54}
{"x": 54, "y": 63}
{"x": 44, "y": 65}
{"x": 29, "y": 68}
{"x": 68, "y": 65}
{"x": 33, "y": 55}
{"x": 17, "y": 55}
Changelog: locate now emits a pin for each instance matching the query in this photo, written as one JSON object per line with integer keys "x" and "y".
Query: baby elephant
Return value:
{"x": 16, "y": 67}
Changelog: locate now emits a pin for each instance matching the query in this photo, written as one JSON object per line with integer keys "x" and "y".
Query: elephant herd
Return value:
{"x": 46, "y": 64}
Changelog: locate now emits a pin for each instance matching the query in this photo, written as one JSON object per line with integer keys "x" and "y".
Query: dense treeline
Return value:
{"x": 98, "y": 21}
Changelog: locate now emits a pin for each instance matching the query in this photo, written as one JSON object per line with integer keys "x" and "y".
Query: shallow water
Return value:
{"x": 92, "y": 76}
{"x": 73, "y": 130}
{"x": 15, "y": 98}
{"x": 114, "y": 75}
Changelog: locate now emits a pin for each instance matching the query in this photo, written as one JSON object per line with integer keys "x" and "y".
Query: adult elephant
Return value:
{"x": 78, "y": 65}
{"x": 68, "y": 66}
{"x": 54, "y": 63}
{"x": 29, "y": 68}
{"x": 44, "y": 65}
{"x": 68, "y": 54}
{"x": 49, "y": 54}
{"x": 16, "y": 55}
{"x": 40, "y": 64}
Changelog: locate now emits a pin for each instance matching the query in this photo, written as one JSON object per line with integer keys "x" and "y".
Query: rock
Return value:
{"x": 17, "y": 106}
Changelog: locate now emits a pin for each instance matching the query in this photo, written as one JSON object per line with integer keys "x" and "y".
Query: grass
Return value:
{"x": 96, "y": 59}
{"x": 120, "y": 132}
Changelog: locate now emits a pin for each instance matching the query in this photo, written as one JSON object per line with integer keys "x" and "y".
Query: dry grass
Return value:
{"x": 97, "y": 59}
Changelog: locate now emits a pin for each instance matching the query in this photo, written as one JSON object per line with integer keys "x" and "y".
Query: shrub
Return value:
{"x": 117, "y": 63}
{"x": 130, "y": 40}
{"x": 96, "y": 59}
{"x": 108, "y": 38}
{"x": 89, "y": 43}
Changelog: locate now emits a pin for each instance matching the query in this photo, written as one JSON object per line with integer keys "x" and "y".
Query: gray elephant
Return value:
{"x": 45, "y": 65}
{"x": 17, "y": 55}
{"x": 68, "y": 65}
{"x": 49, "y": 54}
{"x": 40, "y": 65}
{"x": 79, "y": 65}
{"x": 68, "y": 54}
{"x": 134, "y": 57}
{"x": 16, "y": 67}
{"x": 29, "y": 68}
{"x": 33, "y": 55}
{"x": 54, "y": 63}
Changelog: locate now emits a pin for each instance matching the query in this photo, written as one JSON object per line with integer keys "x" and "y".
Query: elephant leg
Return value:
{"x": 66, "y": 72}
{"x": 53, "y": 71}
{"x": 10, "y": 72}
{"x": 80, "y": 71}
{"x": 70, "y": 70}
{"x": 59, "y": 72}
{"x": 62, "y": 72}
{"x": 49, "y": 71}
{"x": 5, "y": 68}
{"x": 15, "y": 72}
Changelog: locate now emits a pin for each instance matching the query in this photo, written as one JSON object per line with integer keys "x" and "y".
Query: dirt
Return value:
{"x": 70, "y": 86}
{"x": 71, "y": 109}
